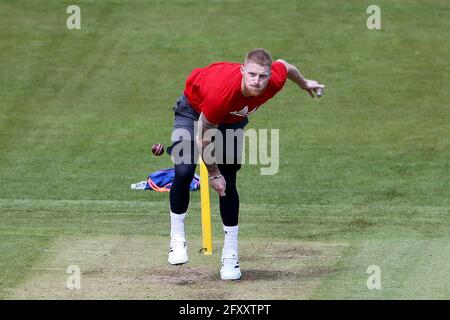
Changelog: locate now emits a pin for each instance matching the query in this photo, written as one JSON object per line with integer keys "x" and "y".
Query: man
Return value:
{"x": 220, "y": 96}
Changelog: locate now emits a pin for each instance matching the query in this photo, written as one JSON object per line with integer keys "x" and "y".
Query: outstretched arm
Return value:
{"x": 294, "y": 75}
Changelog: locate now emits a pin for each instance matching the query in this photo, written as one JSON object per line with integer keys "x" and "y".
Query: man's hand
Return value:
{"x": 218, "y": 184}
{"x": 312, "y": 86}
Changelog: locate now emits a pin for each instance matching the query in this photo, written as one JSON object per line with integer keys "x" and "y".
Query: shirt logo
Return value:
{"x": 243, "y": 112}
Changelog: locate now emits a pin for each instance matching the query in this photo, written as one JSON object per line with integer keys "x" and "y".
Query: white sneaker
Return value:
{"x": 230, "y": 267}
{"x": 178, "y": 251}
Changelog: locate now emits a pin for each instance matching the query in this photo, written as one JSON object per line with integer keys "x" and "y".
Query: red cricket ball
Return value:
{"x": 158, "y": 149}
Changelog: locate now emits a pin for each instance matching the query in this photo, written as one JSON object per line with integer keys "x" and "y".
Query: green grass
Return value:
{"x": 364, "y": 169}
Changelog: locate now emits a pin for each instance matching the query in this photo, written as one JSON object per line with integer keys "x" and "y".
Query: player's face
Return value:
{"x": 255, "y": 78}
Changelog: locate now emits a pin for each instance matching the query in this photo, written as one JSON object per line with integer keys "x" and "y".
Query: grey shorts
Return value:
{"x": 184, "y": 118}
{"x": 185, "y": 121}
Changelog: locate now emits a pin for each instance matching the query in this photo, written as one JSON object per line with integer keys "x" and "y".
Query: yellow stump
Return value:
{"x": 206, "y": 209}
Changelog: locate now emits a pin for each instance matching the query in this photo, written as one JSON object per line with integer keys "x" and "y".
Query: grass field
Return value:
{"x": 364, "y": 171}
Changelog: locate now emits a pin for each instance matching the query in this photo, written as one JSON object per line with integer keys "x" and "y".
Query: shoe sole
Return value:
{"x": 230, "y": 278}
{"x": 178, "y": 262}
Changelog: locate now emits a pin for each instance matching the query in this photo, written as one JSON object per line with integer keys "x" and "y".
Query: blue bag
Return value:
{"x": 161, "y": 181}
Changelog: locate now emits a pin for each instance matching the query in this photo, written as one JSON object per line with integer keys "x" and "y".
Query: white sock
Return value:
{"x": 177, "y": 225}
{"x": 230, "y": 245}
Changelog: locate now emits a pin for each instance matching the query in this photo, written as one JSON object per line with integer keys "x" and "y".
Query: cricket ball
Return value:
{"x": 158, "y": 149}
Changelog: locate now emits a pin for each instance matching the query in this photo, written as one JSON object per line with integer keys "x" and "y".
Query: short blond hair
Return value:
{"x": 260, "y": 56}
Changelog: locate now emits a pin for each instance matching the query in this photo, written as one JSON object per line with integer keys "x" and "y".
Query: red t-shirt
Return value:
{"x": 215, "y": 90}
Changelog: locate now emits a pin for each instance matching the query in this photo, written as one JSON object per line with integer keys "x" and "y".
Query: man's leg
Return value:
{"x": 179, "y": 191}
{"x": 229, "y": 211}
{"x": 179, "y": 202}
{"x": 184, "y": 156}
{"x": 229, "y": 204}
